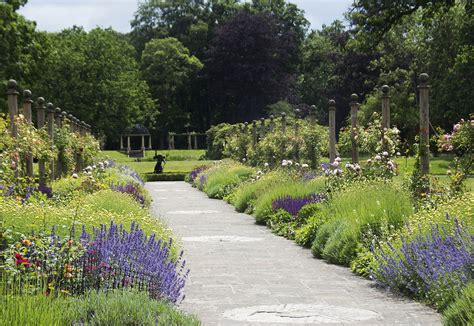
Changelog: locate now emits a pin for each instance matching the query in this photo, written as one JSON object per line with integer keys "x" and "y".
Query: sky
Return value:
{"x": 55, "y": 15}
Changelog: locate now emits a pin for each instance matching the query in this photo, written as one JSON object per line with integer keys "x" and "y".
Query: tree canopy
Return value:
{"x": 188, "y": 64}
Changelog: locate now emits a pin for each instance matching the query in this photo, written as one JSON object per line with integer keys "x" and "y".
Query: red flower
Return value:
{"x": 21, "y": 260}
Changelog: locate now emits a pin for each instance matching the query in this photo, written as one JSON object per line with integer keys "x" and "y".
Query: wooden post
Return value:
{"x": 143, "y": 143}
{"x": 355, "y": 147}
{"x": 385, "y": 107}
{"x": 59, "y": 163}
{"x": 12, "y": 106}
{"x": 121, "y": 142}
{"x": 272, "y": 122}
{"x": 57, "y": 117}
{"x": 254, "y": 134}
{"x": 41, "y": 108}
{"x": 297, "y": 147}
{"x": 385, "y": 114}
{"x": 172, "y": 141}
{"x": 332, "y": 131}
{"x": 149, "y": 142}
{"x": 195, "y": 141}
{"x": 27, "y": 101}
{"x": 262, "y": 128}
{"x": 283, "y": 122}
{"x": 190, "y": 146}
{"x": 312, "y": 115}
{"x": 129, "y": 149}
{"x": 424, "y": 124}
{"x": 50, "y": 118}
{"x": 71, "y": 122}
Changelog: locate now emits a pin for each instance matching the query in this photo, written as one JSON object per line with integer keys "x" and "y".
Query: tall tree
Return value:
{"x": 95, "y": 76}
{"x": 168, "y": 67}
{"x": 248, "y": 66}
{"x": 23, "y": 50}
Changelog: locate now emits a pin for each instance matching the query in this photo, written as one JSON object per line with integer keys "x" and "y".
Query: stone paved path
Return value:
{"x": 242, "y": 274}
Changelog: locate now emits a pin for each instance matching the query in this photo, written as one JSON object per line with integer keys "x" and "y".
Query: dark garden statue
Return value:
{"x": 160, "y": 159}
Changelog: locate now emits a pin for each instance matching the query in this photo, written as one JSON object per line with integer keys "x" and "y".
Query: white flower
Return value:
{"x": 385, "y": 154}
{"x": 244, "y": 159}
{"x": 357, "y": 167}
{"x": 337, "y": 159}
{"x": 297, "y": 164}
{"x": 395, "y": 130}
{"x": 377, "y": 157}
{"x": 266, "y": 165}
{"x": 369, "y": 161}
{"x": 448, "y": 172}
{"x": 284, "y": 163}
{"x": 94, "y": 166}
{"x": 259, "y": 172}
{"x": 335, "y": 164}
{"x": 398, "y": 154}
{"x": 290, "y": 162}
{"x": 257, "y": 177}
{"x": 75, "y": 176}
{"x": 304, "y": 166}
{"x": 348, "y": 166}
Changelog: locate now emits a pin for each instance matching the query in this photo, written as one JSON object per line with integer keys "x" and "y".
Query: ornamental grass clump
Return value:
{"x": 432, "y": 267}
{"x": 357, "y": 217}
{"x": 117, "y": 258}
{"x": 293, "y": 205}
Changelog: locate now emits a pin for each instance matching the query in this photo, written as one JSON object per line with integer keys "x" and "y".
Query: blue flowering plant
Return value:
{"x": 432, "y": 266}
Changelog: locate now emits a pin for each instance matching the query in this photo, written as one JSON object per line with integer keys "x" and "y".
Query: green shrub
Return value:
{"x": 461, "y": 311}
{"x": 305, "y": 235}
{"x": 263, "y": 204}
{"x": 244, "y": 195}
{"x": 119, "y": 307}
{"x": 360, "y": 215}
{"x": 221, "y": 180}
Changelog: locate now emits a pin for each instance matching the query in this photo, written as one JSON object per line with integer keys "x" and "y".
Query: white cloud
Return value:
{"x": 55, "y": 15}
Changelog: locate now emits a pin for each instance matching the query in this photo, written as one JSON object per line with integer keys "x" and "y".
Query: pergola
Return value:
{"x": 191, "y": 136}
{"x": 136, "y": 131}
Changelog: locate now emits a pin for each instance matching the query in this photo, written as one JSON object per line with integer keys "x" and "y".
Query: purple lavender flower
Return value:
{"x": 45, "y": 190}
{"x": 294, "y": 205}
{"x": 115, "y": 257}
{"x": 130, "y": 189}
{"x": 194, "y": 173}
{"x": 440, "y": 260}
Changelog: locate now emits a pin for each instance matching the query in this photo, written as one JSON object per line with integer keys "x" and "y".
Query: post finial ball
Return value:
{"x": 424, "y": 77}
{"x": 57, "y": 111}
{"x": 354, "y": 97}
{"x": 64, "y": 114}
{"x": 40, "y": 101}
{"x": 272, "y": 117}
{"x": 332, "y": 103}
{"x": 50, "y": 106}
{"x": 283, "y": 114}
{"x": 27, "y": 94}
{"x": 385, "y": 89}
{"x": 11, "y": 83}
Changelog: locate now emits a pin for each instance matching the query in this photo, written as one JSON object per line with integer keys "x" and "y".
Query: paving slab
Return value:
{"x": 242, "y": 274}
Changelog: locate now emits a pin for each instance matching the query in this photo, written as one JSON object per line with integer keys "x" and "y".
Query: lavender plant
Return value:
{"x": 132, "y": 190}
{"x": 294, "y": 205}
{"x": 432, "y": 267}
{"x": 194, "y": 173}
{"x": 117, "y": 258}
